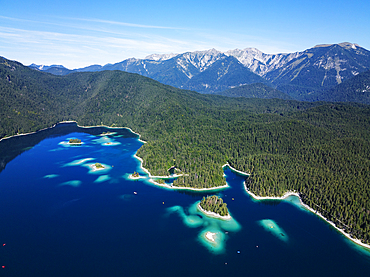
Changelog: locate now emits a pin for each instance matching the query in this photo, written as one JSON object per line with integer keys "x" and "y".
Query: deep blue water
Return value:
{"x": 57, "y": 218}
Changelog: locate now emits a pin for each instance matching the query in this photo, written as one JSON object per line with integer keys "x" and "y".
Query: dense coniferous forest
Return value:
{"x": 321, "y": 150}
{"x": 256, "y": 90}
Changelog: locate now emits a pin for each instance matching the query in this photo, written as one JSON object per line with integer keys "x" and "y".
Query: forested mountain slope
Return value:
{"x": 356, "y": 89}
{"x": 256, "y": 90}
{"x": 319, "y": 149}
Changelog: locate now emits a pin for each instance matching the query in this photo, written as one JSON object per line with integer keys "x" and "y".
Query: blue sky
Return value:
{"x": 79, "y": 33}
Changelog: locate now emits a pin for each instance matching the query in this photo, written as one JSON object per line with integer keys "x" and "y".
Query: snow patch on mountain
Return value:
{"x": 222, "y": 72}
{"x": 42, "y": 67}
{"x": 184, "y": 67}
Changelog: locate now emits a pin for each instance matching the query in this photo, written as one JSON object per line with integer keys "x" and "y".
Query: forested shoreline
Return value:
{"x": 320, "y": 150}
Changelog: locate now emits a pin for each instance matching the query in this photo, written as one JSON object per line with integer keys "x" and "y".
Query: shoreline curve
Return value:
{"x": 72, "y": 121}
{"x": 293, "y": 193}
{"x": 212, "y": 214}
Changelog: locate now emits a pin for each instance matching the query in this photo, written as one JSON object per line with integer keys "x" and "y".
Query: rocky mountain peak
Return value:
{"x": 200, "y": 59}
{"x": 160, "y": 57}
{"x": 346, "y": 45}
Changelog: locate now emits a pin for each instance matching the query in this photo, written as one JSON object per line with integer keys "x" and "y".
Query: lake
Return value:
{"x": 60, "y": 217}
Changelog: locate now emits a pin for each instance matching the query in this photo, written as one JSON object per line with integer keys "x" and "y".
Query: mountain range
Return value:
{"x": 305, "y": 75}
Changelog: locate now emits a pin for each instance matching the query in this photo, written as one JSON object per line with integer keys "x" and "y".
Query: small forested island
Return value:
{"x": 74, "y": 141}
{"x": 214, "y": 204}
{"x": 136, "y": 175}
{"x": 98, "y": 166}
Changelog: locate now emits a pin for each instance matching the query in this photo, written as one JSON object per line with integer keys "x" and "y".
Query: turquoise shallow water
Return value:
{"x": 60, "y": 217}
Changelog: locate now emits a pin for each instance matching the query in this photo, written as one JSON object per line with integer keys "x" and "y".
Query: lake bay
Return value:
{"x": 60, "y": 217}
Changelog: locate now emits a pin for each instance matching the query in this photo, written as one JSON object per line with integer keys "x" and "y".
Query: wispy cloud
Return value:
{"x": 82, "y": 49}
{"x": 77, "y": 42}
{"x": 124, "y": 23}
{"x": 17, "y": 35}
{"x": 66, "y": 21}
